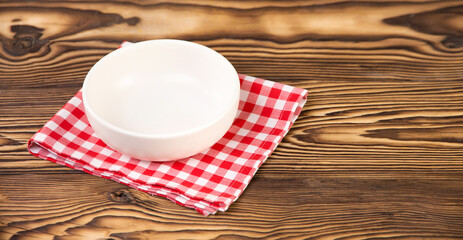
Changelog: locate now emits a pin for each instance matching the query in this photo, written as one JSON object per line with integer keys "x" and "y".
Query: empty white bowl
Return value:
{"x": 161, "y": 100}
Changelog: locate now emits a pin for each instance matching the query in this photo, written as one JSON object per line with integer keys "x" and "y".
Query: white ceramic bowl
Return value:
{"x": 161, "y": 100}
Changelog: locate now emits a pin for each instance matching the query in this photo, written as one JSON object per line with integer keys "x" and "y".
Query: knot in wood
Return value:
{"x": 26, "y": 40}
{"x": 122, "y": 196}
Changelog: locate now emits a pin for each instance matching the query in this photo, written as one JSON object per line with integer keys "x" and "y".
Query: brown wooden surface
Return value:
{"x": 376, "y": 153}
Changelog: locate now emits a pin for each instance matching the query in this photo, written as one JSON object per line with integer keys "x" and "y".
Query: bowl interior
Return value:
{"x": 161, "y": 87}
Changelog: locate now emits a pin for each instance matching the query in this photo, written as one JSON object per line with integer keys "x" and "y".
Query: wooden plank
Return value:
{"x": 376, "y": 153}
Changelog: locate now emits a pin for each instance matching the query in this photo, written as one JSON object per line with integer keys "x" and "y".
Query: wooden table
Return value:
{"x": 376, "y": 153}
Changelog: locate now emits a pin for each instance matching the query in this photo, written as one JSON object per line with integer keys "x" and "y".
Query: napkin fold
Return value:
{"x": 209, "y": 181}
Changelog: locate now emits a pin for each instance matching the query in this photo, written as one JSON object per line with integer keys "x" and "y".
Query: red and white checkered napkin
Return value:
{"x": 208, "y": 181}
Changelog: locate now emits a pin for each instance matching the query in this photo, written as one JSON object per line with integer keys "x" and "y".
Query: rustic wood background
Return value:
{"x": 376, "y": 153}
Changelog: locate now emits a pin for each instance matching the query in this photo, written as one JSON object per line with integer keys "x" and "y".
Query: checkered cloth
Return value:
{"x": 208, "y": 181}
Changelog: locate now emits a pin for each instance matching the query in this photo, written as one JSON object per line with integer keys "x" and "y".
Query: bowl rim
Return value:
{"x": 227, "y": 109}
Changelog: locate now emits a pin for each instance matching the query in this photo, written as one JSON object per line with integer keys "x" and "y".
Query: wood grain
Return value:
{"x": 376, "y": 153}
